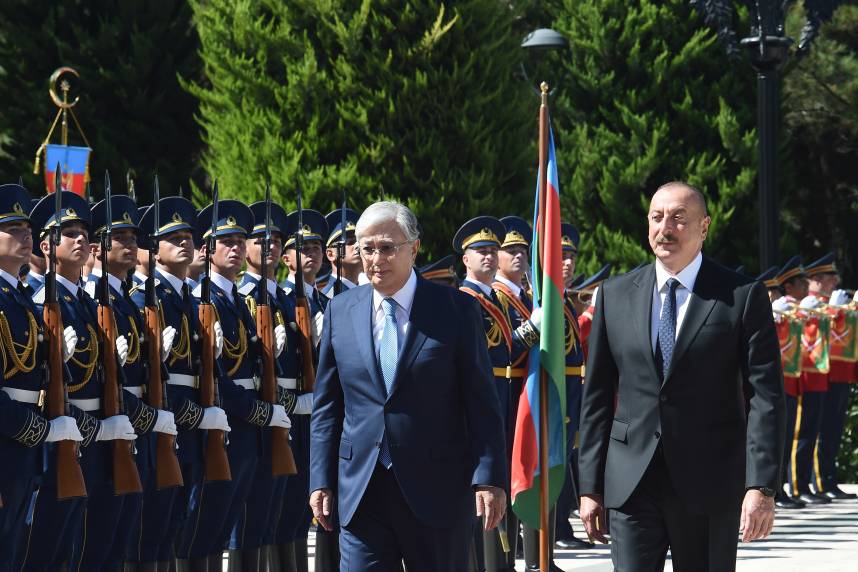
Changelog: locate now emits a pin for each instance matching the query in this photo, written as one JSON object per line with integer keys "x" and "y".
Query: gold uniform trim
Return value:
{"x": 485, "y": 235}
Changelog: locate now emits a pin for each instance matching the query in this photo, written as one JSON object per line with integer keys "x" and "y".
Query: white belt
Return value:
{"x": 87, "y": 404}
{"x": 287, "y": 382}
{"x": 22, "y": 395}
{"x": 135, "y": 390}
{"x": 246, "y": 383}
{"x": 183, "y": 379}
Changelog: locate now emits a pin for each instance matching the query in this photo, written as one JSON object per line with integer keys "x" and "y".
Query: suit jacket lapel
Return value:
{"x": 642, "y": 303}
{"x": 361, "y": 311}
{"x": 700, "y": 304}
{"x": 416, "y": 336}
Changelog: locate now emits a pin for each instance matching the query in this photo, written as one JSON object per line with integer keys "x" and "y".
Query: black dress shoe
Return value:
{"x": 573, "y": 543}
{"x": 787, "y": 502}
{"x": 839, "y": 494}
{"x": 810, "y": 498}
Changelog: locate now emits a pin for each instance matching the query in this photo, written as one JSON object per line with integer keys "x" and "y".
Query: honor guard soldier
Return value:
{"x": 23, "y": 427}
{"x": 58, "y": 526}
{"x": 122, "y": 257}
{"x": 220, "y": 503}
{"x": 479, "y": 240}
{"x": 255, "y": 530}
{"x": 841, "y": 374}
{"x": 442, "y": 271}
{"x": 568, "y": 499}
{"x": 295, "y": 518}
{"x": 350, "y": 263}
{"x": 585, "y": 293}
{"x": 814, "y": 381}
{"x": 36, "y": 266}
{"x": 792, "y": 277}
{"x": 174, "y": 254}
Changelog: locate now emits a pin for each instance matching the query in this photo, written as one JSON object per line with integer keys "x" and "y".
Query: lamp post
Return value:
{"x": 541, "y": 40}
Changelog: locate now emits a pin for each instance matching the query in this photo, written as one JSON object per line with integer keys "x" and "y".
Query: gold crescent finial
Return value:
{"x": 64, "y": 85}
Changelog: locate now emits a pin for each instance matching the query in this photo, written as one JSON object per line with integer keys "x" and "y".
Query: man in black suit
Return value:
{"x": 681, "y": 344}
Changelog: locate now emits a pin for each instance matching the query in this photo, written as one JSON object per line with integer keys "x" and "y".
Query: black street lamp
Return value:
{"x": 541, "y": 40}
{"x": 768, "y": 48}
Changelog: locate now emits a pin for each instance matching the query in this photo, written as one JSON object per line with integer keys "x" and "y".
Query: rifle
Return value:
{"x": 126, "y": 479}
{"x": 302, "y": 310}
{"x": 167, "y": 471}
{"x": 341, "y": 248}
{"x": 282, "y": 460}
{"x": 217, "y": 462}
{"x": 70, "y": 481}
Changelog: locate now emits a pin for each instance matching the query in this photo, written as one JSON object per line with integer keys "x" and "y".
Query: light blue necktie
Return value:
{"x": 387, "y": 357}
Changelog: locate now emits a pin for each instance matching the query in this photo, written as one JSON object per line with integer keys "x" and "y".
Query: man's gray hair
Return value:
{"x": 386, "y": 211}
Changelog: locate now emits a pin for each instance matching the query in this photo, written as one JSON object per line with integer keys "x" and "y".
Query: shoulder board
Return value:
{"x": 89, "y": 288}
{"x": 39, "y": 296}
{"x": 198, "y": 291}
{"x": 247, "y": 288}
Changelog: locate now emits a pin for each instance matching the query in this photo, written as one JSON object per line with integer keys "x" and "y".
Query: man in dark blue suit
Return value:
{"x": 407, "y": 429}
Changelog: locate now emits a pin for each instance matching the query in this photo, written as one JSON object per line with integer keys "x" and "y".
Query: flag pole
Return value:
{"x": 544, "y": 537}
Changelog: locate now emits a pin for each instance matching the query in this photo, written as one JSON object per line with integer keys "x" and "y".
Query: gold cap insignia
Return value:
{"x": 126, "y": 218}
{"x": 230, "y": 220}
{"x": 177, "y": 217}
{"x": 17, "y": 208}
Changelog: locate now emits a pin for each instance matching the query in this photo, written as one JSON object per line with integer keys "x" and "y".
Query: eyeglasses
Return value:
{"x": 385, "y": 250}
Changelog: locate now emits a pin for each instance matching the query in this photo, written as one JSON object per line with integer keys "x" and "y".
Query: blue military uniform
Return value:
{"x": 442, "y": 270}
{"x": 508, "y": 344}
{"x": 218, "y": 505}
{"x": 166, "y": 512}
{"x": 334, "y": 220}
{"x": 295, "y": 518}
{"x": 23, "y": 428}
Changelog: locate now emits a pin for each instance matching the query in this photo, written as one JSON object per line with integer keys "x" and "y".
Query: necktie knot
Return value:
{"x": 389, "y": 307}
{"x": 672, "y": 284}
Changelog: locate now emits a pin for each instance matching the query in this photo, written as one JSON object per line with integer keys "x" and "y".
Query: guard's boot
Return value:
{"x": 270, "y": 559}
{"x": 166, "y": 566}
{"x": 233, "y": 560}
{"x": 531, "y": 547}
{"x": 327, "y": 551}
{"x": 130, "y": 567}
{"x": 183, "y": 565}
{"x": 286, "y": 557}
{"x": 199, "y": 564}
{"x": 302, "y": 563}
{"x": 251, "y": 560}
{"x": 144, "y": 566}
{"x": 216, "y": 561}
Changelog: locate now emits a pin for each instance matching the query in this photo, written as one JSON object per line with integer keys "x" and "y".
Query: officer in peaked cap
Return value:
{"x": 294, "y": 525}
{"x": 220, "y": 504}
{"x": 57, "y": 527}
{"x": 442, "y": 271}
{"x": 479, "y": 240}
{"x": 351, "y": 263}
{"x": 112, "y": 521}
{"x": 23, "y": 427}
{"x": 586, "y": 297}
{"x": 769, "y": 278}
{"x": 792, "y": 280}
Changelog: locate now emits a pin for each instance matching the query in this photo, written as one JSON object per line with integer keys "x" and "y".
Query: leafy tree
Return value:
{"x": 132, "y": 108}
{"x": 415, "y": 101}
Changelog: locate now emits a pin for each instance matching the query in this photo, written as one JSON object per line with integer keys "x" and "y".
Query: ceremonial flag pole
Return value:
{"x": 539, "y": 444}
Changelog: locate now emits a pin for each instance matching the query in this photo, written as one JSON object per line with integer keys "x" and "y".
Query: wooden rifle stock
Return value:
{"x": 305, "y": 343}
{"x": 282, "y": 460}
{"x": 126, "y": 479}
{"x": 217, "y": 462}
{"x": 70, "y": 481}
{"x": 167, "y": 471}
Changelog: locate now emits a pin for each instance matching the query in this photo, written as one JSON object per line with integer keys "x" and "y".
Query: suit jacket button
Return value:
{"x": 663, "y": 399}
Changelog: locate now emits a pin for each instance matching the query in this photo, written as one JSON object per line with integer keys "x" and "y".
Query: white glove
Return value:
{"x": 279, "y": 417}
{"x": 781, "y": 305}
{"x": 838, "y": 298}
{"x": 536, "y": 319}
{"x": 63, "y": 429}
{"x": 809, "y": 303}
{"x": 168, "y": 335}
{"x": 316, "y": 326}
{"x": 122, "y": 350}
{"x": 218, "y": 332}
{"x": 304, "y": 404}
{"x": 214, "y": 418}
{"x": 69, "y": 342}
{"x": 279, "y": 339}
{"x": 116, "y": 427}
{"x": 165, "y": 423}
{"x": 855, "y": 297}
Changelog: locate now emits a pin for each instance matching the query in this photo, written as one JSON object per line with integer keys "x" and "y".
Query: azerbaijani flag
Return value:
{"x": 73, "y": 162}
{"x": 548, "y": 356}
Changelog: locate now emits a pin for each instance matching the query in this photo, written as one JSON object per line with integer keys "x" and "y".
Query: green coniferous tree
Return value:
{"x": 647, "y": 95}
{"x": 132, "y": 108}
{"x": 417, "y": 101}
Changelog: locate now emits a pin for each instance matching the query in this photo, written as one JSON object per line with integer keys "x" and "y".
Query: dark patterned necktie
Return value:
{"x": 667, "y": 329}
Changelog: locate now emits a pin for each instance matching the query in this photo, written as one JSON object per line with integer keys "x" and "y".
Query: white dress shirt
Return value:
{"x": 272, "y": 285}
{"x": 514, "y": 288}
{"x": 404, "y": 299}
{"x": 70, "y": 286}
{"x": 12, "y": 280}
{"x": 687, "y": 277}
{"x": 174, "y": 281}
{"x": 486, "y": 289}
{"x": 114, "y": 282}
{"x": 224, "y": 284}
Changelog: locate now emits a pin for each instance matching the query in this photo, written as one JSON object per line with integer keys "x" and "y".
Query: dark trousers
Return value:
{"x": 830, "y": 433}
{"x": 654, "y": 519}
{"x": 384, "y": 531}
{"x": 808, "y": 421}
{"x": 295, "y": 516}
{"x": 17, "y": 496}
{"x": 568, "y": 499}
